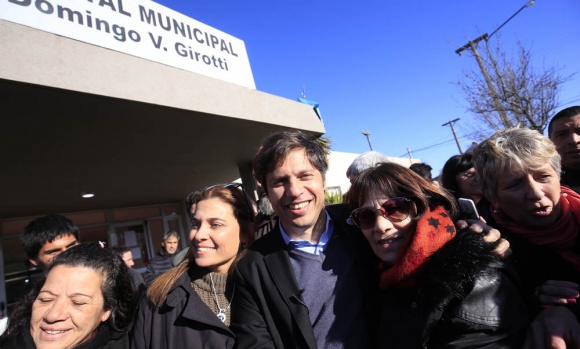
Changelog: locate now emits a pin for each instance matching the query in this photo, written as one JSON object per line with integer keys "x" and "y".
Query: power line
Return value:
{"x": 571, "y": 100}
{"x": 428, "y": 147}
{"x": 437, "y": 144}
{"x": 564, "y": 103}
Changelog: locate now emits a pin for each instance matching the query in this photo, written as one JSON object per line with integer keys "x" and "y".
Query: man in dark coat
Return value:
{"x": 564, "y": 131}
{"x": 127, "y": 257}
{"x": 162, "y": 262}
{"x": 303, "y": 284}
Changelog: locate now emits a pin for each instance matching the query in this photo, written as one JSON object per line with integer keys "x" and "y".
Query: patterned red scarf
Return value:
{"x": 562, "y": 235}
{"x": 432, "y": 232}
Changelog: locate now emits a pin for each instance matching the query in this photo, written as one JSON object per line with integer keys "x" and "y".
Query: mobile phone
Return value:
{"x": 467, "y": 207}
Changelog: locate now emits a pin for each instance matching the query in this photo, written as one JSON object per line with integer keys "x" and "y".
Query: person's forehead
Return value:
{"x": 565, "y": 122}
{"x": 65, "y": 239}
{"x": 86, "y": 280}
{"x": 375, "y": 198}
{"x": 300, "y": 161}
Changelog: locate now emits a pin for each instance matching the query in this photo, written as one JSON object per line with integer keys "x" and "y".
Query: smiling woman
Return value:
{"x": 438, "y": 287}
{"x": 191, "y": 302}
{"x": 84, "y": 302}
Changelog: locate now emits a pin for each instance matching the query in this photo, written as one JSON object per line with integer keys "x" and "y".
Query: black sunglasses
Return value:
{"x": 394, "y": 209}
{"x": 236, "y": 186}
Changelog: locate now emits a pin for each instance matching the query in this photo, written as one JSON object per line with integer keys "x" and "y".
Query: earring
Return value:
{"x": 243, "y": 245}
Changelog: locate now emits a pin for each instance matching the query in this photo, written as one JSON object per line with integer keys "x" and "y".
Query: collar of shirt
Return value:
{"x": 307, "y": 246}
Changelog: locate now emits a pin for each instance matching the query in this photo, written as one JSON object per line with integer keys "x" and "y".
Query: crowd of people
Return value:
{"x": 395, "y": 266}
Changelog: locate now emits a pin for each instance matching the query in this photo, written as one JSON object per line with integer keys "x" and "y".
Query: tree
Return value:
{"x": 505, "y": 92}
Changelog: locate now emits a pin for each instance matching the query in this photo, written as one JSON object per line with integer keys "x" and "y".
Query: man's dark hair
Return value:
{"x": 46, "y": 229}
{"x": 564, "y": 113}
{"x": 278, "y": 145}
{"x": 422, "y": 169}
{"x": 120, "y": 250}
{"x": 190, "y": 200}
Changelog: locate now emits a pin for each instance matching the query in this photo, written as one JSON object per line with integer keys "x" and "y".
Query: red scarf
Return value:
{"x": 432, "y": 232}
{"x": 562, "y": 235}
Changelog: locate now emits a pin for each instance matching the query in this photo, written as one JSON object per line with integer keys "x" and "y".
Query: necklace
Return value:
{"x": 222, "y": 312}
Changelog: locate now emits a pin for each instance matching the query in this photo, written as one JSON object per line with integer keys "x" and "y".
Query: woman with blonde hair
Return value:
{"x": 520, "y": 173}
{"x": 189, "y": 305}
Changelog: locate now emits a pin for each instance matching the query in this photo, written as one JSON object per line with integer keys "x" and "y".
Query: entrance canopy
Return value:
{"x": 79, "y": 118}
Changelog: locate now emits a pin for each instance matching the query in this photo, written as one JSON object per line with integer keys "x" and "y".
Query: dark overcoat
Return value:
{"x": 182, "y": 321}
{"x": 268, "y": 311}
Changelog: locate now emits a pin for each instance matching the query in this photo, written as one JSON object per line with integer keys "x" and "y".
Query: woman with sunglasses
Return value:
{"x": 438, "y": 287}
{"x": 189, "y": 305}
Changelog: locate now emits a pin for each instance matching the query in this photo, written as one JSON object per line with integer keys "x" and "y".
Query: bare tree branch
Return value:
{"x": 526, "y": 96}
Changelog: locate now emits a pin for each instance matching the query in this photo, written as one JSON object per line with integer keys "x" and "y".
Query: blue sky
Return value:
{"x": 388, "y": 67}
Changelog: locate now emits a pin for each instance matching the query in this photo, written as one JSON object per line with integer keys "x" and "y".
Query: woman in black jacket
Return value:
{"x": 85, "y": 302}
{"x": 438, "y": 288}
{"x": 189, "y": 305}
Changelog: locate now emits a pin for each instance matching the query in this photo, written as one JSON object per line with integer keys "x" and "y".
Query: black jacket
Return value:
{"x": 158, "y": 265}
{"x": 466, "y": 297}
{"x": 183, "y": 321}
{"x": 268, "y": 311}
{"x": 536, "y": 264}
{"x": 137, "y": 279}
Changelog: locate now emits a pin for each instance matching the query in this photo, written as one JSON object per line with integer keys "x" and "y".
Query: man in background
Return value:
{"x": 564, "y": 131}
{"x": 364, "y": 161}
{"x": 162, "y": 262}
{"x": 46, "y": 237}
{"x": 127, "y": 257}
{"x": 424, "y": 170}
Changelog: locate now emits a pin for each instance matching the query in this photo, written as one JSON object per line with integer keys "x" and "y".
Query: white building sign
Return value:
{"x": 140, "y": 28}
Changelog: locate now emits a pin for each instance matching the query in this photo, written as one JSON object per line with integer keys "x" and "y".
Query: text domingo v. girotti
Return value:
{"x": 190, "y": 41}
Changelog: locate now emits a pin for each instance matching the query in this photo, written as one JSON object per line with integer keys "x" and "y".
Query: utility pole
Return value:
{"x": 368, "y": 135}
{"x": 496, "y": 101}
{"x": 450, "y": 123}
{"x": 472, "y": 44}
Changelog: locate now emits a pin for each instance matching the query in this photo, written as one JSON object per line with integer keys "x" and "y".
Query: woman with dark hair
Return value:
{"x": 460, "y": 179}
{"x": 438, "y": 287}
{"x": 189, "y": 305}
{"x": 84, "y": 302}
